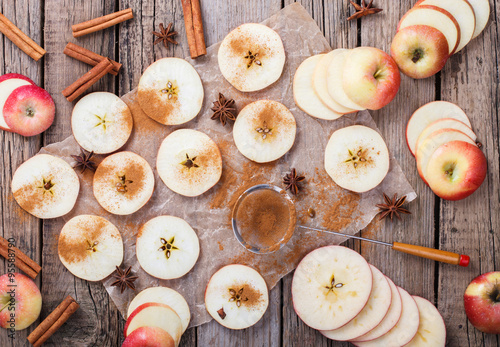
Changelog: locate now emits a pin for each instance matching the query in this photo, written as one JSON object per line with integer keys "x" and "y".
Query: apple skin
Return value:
{"x": 27, "y": 298}
{"x": 149, "y": 337}
{"x": 29, "y": 110}
{"x": 371, "y": 77}
{"x": 420, "y": 51}
{"x": 468, "y": 166}
{"x": 482, "y": 302}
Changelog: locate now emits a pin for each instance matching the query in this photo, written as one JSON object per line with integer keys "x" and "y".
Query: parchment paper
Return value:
{"x": 209, "y": 214}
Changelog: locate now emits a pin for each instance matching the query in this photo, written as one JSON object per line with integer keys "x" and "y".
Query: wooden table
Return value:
{"x": 471, "y": 226}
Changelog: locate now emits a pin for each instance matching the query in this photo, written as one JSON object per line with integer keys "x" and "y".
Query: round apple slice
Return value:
{"x": 189, "y": 162}
{"x": 431, "y": 330}
{"x": 236, "y": 296}
{"x": 446, "y": 123}
{"x": 330, "y": 287}
{"x": 428, "y": 114}
{"x": 123, "y": 183}
{"x": 251, "y": 57}
{"x": 264, "y": 131}
{"x": 390, "y": 319}
{"x": 8, "y": 76}
{"x": 157, "y": 315}
{"x": 319, "y": 81}
{"x": 101, "y": 122}
{"x": 167, "y": 247}
{"x": 170, "y": 91}
{"x": 7, "y": 86}
{"x": 404, "y": 331}
{"x": 437, "y": 18}
{"x": 371, "y": 315}
{"x": 357, "y": 158}
{"x": 163, "y": 295}
{"x": 45, "y": 186}
{"x": 482, "y": 13}
{"x": 149, "y": 337}
{"x": 304, "y": 95}
{"x": 334, "y": 80}
{"x": 90, "y": 247}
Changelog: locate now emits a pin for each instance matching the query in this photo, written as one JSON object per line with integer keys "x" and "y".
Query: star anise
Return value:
{"x": 392, "y": 207}
{"x": 83, "y": 161}
{"x": 292, "y": 180}
{"x": 124, "y": 279}
{"x": 223, "y": 110}
{"x": 165, "y": 35}
{"x": 363, "y": 9}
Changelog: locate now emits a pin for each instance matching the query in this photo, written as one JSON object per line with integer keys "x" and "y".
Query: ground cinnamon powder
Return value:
{"x": 250, "y": 297}
{"x": 134, "y": 173}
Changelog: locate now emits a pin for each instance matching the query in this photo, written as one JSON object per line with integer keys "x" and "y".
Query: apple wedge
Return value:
{"x": 330, "y": 287}
{"x": 482, "y": 13}
{"x": 304, "y": 95}
{"x": 431, "y": 329}
{"x": 404, "y": 331}
{"x": 372, "y": 314}
{"x": 446, "y": 123}
{"x": 428, "y": 114}
{"x": 437, "y": 18}
{"x": 7, "y": 86}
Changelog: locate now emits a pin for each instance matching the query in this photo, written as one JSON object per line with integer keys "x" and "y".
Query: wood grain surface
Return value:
{"x": 469, "y": 79}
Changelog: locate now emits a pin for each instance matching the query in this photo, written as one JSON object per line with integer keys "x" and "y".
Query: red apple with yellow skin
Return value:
{"x": 149, "y": 337}
{"x": 482, "y": 302}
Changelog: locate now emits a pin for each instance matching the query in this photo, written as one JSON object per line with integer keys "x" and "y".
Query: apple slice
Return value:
{"x": 372, "y": 314}
{"x": 482, "y": 13}
{"x": 428, "y": 114}
{"x": 334, "y": 78}
{"x": 431, "y": 330}
{"x": 446, "y": 123}
{"x": 7, "y": 86}
{"x": 236, "y": 296}
{"x": 391, "y": 318}
{"x": 157, "y": 315}
{"x": 163, "y": 295}
{"x": 437, "y": 18}
{"x": 330, "y": 287}
{"x": 320, "y": 84}
{"x": 167, "y": 247}
{"x": 149, "y": 337}
{"x": 90, "y": 247}
{"x": 463, "y": 13}
{"x": 8, "y": 76}
{"x": 455, "y": 170}
{"x": 404, "y": 331}
{"x": 304, "y": 95}
{"x": 357, "y": 158}
{"x": 432, "y": 142}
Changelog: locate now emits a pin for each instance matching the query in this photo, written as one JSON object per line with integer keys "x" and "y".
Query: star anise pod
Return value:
{"x": 223, "y": 110}
{"x": 83, "y": 161}
{"x": 392, "y": 207}
{"x": 165, "y": 35}
{"x": 292, "y": 180}
{"x": 124, "y": 279}
{"x": 363, "y": 9}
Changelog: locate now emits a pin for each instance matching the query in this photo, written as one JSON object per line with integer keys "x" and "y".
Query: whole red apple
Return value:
{"x": 482, "y": 302}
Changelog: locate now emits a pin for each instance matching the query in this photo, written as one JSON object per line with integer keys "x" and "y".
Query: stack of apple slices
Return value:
{"x": 440, "y": 136}
{"x": 343, "y": 81}
{"x": 337, "y": 292}
{"x": 433, "y": 30}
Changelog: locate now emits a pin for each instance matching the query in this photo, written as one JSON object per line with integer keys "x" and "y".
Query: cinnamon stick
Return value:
{"x": 101, "y": 23}
{"x": 21, "y": 260}
{"x": 20, "y": 39}
{"x": 89, "y": 57}
{"x": 194, "y": 27}
{"x": 86, "y": 81}
{"x": 53, "y": 321}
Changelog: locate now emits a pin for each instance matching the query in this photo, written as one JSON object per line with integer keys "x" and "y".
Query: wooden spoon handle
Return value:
{"x": 431, "y": 253}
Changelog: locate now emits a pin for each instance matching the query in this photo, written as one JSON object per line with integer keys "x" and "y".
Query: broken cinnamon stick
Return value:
{"x": 53, "y": 321}
{"x": 21, "y": 260}
{"x": 101, "y": 23}
{"x": 194, "y": 27}
{"x": 20, "y": 39}
{"x": 86, "y": 81}
{"x": 89, "y": 57}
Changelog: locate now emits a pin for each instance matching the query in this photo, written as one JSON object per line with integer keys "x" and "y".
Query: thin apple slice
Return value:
{"x": 391, "y": 318}
{"x": 463, "y": 13}
{"x": 482, "y": 13}
{"x": 404, "y": 331}
{"x": 435, "y": 140}
{"x": 372, "y": 314}
{"x": 304, "y": 95}
{"x": 330, "y": 287}
{"x": 7, "y": 86}
{"x": 437, "y": 18}
{"x": 446, "y": 123}
{"x": 320, "y": 85}
{"x": 8, "y": 76}
{"x": 428, "y": 114}
{"x": 431, "y": 330}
